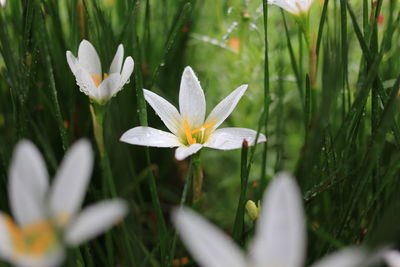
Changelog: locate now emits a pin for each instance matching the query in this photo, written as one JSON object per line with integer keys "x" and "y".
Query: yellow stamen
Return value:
{"x": 97, "y": 78}
{"x": 188, "y": 133}
{"x": 34, "y": 239}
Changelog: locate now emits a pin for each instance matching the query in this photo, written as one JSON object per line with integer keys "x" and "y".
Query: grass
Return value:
{"x": 339, "y": 135}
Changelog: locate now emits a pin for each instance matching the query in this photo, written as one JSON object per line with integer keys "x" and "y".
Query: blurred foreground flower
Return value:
{"x": 190, "y": 131}
{"x": 280, "y": 238}
{"x": 296, "y": 7}
{"x": 47, "y": 217}
{"x": 3, "y": 3}
{"x": 392, "y": 258}
{"x": 89, "y": 77}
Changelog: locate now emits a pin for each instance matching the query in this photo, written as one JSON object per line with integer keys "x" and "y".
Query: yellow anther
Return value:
{"x": 188, "y": 133}
{"x": 97, "y": 78}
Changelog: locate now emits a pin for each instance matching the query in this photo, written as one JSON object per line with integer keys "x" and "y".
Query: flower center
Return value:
{"x": 197, "y": 135}
{"x": 97, "y": 78}
{"x": 34, "y": 239}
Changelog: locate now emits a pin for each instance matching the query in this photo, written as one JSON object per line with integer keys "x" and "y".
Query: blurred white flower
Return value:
{"x": 280, "y": 238}
{"x": 47, "y": 217}
{"x": 392, "y": 258}
{"x": 3, "y": 3}
{"x": 296, "y": 7}
{"x": 190, "y": 131}
{"x": 89, "y": 77}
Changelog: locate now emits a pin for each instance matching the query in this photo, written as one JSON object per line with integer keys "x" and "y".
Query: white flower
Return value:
{"x": 392, "y": 258}
{"x": 280, "y": 238}
{"x": 295, "y": 7}
{"x": 89, "y": 77}
{"x": 47, "y": 217}
{"x": 3, "y": 3}
{"x": 190, "y": 131}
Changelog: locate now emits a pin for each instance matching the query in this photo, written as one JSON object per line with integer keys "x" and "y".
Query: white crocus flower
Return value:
{"x": 280, "y": 238}
{"x": 47, "y": 217}
{"x": 392, "y": 258}
{"x": 190, "y": 131}
{"x": 3, "y": 3}
{"x": 89, "y": 77}
{"x": 296, "y": 7}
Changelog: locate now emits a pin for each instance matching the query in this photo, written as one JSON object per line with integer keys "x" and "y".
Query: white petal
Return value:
{"x": 348, "y": 257}
{"x": 3, "y": 3}
{"x": 289, "y": 6}
{"x": 226, "y": 106}
{"x": 392, "y": 258}
{"x": 109, "y": 87}
{"x": 280, "y": 238}
{"x": 183, "y": 152}
{"x": 70, "y": 183}
{"x": 72, "y": 62}
{"x": 192, "y": 103}
{"x": 5, "y": 242}
{"x": 88, "y": 58}
{"x": 232, "y": 138}
{"x": 51, "y": 259}
{"x": 167, "y": 112}
{"x": 147, "y": 136}
{"x": 86, "y": 83}
{"x": 95, "y": 220}
{"x": 117, "y": 61}
{"x": 28, "y": 183}
{"x": 209, "y": 246}
{"x": 127, "y": 70}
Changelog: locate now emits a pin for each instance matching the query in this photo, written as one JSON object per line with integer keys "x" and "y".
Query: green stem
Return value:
{"x": 263, "y": 178}
{"x": 238, "y": 226}
{"x": 98, "y": 112}
{"x": 197, "y": 177}
{"x": 188, "y": 182}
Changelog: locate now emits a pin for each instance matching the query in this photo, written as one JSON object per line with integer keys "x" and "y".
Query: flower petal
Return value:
{"x": 192, "y": 103}
{"x": 289, "y": 6}
{"x": 52, "y": 258}
{"x": 226, "y": 106}
{"x": 348, "y": 257}
{"x": 109, "y": 87}
{"x": 116, "y": 64}
{"x": 295, "y": 7}
{"x": 232, "y": 138}
{"x": 70, "y": 183}
{"x": 392, "y": 258}
{"x": 167, "y": 112}
{"x": 88, "y": 58}
{"x": 147, "y": 136}
{"x": 127, "y": 70}
{"x": 5, "y": 241}
{"x": 28, "y": 183}
{"x": 95, "y": 220}
{"x": 86, "y": 83}
{"x": 209, "y": 246}
{"x": 280, "y": 238}
{"x": 73, "y": 62}
{"x": 183, "y": 152}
